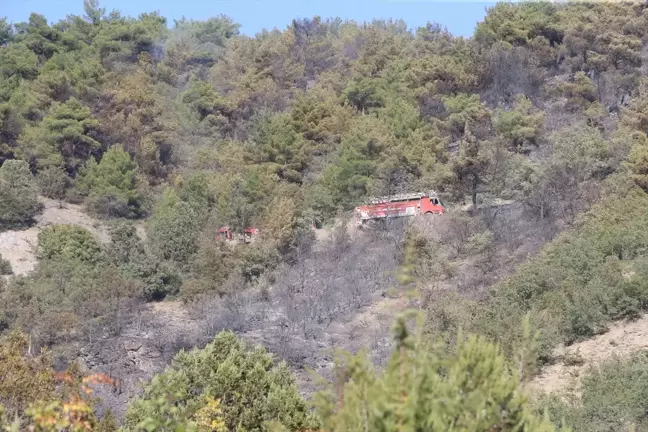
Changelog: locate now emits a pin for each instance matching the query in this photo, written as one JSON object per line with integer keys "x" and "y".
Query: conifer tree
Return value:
{"x": 251, "y": 389}
{"x": 112, "y": 184}
{"x": 63, "y": 138}
{"x": 425, "y": 388}
{"x": 18, "y": 197}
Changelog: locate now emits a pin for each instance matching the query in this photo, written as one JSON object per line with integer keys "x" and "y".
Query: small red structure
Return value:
{"x": 250, "y": 231}
{"x": 225, "y": 233}
{"x": 413, "y": 204}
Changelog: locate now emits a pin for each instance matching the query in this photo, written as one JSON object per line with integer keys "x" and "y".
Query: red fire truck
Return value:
{"x": 413, "y": 204}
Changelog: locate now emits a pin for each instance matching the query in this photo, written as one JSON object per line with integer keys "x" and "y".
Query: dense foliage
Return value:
{"x": 18, "y": 196}
{"x": 169, "y": 131}
{"x": 613, "y": 396}
{"x": 252, "y": 390}
{"x": 231, "y": 386}
{"x": 585, "y": 278}
{"x": 350, "y": 110}
{"x": 111, "y": 184}
{"x": 425, "y": 388}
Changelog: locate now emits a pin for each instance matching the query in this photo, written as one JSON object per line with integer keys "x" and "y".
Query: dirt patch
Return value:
{"x": 19, "y": 246}
{"x": 622, "y": 340}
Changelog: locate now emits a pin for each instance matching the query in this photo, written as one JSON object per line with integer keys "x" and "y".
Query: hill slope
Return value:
{"x": 19, "y": 246}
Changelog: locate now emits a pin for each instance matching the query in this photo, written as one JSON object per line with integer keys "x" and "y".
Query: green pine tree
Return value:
{"x": 18, "y": 196}
{"x": 112, "y": 184}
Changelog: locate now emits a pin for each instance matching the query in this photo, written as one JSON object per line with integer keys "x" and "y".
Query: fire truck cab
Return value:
{"x": 414, "y": 204}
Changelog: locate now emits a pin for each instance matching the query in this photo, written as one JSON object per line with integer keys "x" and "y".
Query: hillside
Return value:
{"x": 622, "y": 340}
{"x": 152, "y": 135}
{"x": 19, "y": 247}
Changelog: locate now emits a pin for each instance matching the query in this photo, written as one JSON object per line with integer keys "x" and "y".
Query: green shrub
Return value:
{"x": 112, "y": 184}
{"x": 68, "y": 242}
{"x": 258, "y": 260}
{"x": 428, "y": 389}
{"x": 126, "y": 251}
{"x": 18, "y": 198}
{"x": 215, "y": 261}
{"x": 158, "y": 278}
{"x": 613, "y": 398}
{"x": 252, "y": 390}
{"x": 193, "y": 289}
{"x": 53, "y": 183}
{"x": 125, "y": 245}
{"x": 65, "y": 299}
{"x": 584, "y": 317}
{"x": 174, "y": 228}
{"x": 5, "y": 267}
{"x": 587, "y": 276}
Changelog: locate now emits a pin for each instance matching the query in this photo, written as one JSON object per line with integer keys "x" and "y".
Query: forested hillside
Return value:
{"x": 536, "y": 125}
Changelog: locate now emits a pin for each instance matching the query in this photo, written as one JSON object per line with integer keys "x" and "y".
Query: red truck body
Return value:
{"x": 399, "y": 206}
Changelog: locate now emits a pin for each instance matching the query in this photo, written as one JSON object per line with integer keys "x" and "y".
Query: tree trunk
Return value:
{"x": 475, "y": 182}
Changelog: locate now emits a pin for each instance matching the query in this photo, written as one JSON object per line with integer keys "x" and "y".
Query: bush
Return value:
{"x": 33, "y": 396}
{"x": 53, "y": 183}
{"x": 258, "y": 260}
{"x": 127, "y": 251}
{"x": 193, "y": 289}
{"x": 26, "y": 379}
{"x": 112, "y": 184}
{"x": 252, "y": 390}
{"x": 68, "y": 242}
{"x": 584, "y": 278}
{"x": 18, "y": 198}
{"x": 427, "y": 389}
{"x": 158, "y": 278}
{"x": 64, "y": 300}
{"x": 110, "y": 206}
{"x": 125, "y": 245}
{"x": 613, "y": 398}
{"x": 215, "y": 261}
{"x": 174, "y": 228}
{"x": 5, "y": 267}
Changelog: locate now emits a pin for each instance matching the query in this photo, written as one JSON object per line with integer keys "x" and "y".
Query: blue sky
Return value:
{"x": 459, "y": 16}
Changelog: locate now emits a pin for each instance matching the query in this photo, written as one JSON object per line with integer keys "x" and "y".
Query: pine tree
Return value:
{"x": 112, "y": 184}
{"x": 470, "y": 166}
{"x": 251, "y": 389}
{"x": 18, "y": 197}
{"x": 63, "y": 138}
{"x": 425, "y": 388}
{"x": 174, "y": 228}
{"x": 521, "y": 125}
{"x": 637, "y": 162}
